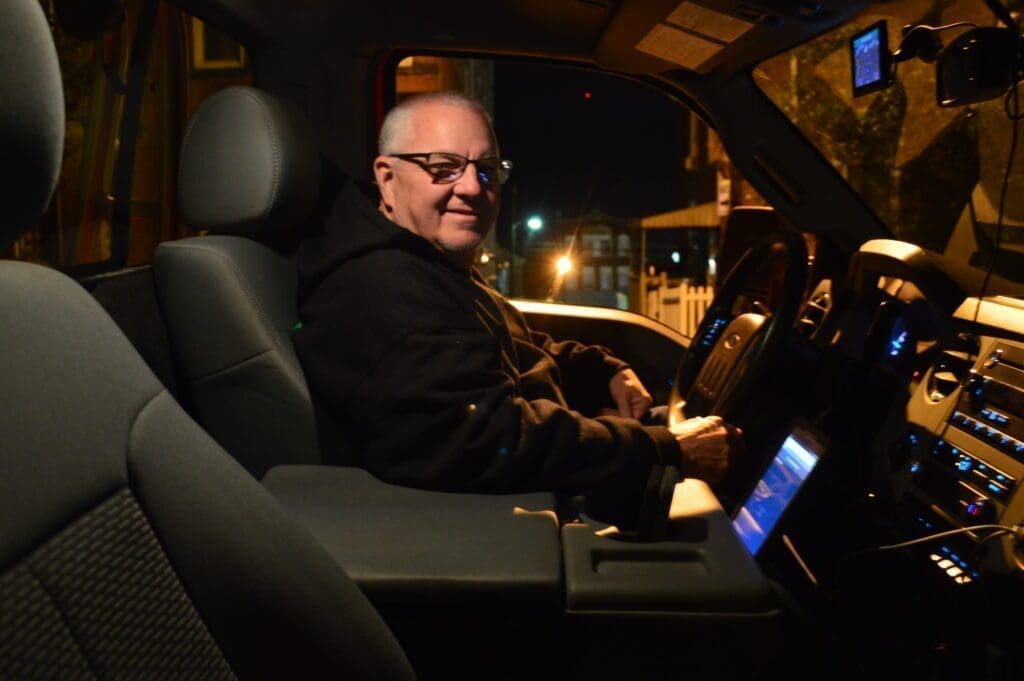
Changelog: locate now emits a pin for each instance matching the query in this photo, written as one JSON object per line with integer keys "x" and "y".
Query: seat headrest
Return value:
{"x": 249, "y": 165}
{"x": 31, "y": 117}
{"x": 745, "y": 227}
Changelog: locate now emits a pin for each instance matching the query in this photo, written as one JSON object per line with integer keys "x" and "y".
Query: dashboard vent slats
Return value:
{"x": 814, "y": 312}
{"x": 952, "y": 366}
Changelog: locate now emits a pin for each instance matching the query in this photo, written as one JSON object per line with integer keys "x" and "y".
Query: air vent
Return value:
{"x": 814, "y": 311}
{"x": 952, "y": 366}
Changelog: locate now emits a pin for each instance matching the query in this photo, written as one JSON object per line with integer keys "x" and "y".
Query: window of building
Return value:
{"x": 622, "y": 278}
{"x": 590, "y": 278}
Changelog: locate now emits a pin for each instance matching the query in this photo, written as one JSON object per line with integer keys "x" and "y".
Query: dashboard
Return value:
{"x": 908, "y": 534}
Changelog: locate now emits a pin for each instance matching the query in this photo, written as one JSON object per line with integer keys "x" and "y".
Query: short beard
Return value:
{"x": 460, "y": 248}
{"x": 462, "y": 255}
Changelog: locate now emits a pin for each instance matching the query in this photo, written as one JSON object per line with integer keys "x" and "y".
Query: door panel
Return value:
{"x": 651, "y": 348}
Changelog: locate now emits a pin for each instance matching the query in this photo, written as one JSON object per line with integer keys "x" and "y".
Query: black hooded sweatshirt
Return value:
{"x": 426, "y": 376}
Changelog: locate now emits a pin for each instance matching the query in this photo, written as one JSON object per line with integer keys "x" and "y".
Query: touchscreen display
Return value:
{"x": 870, "y": 59}
{"x": 775, "y": 490}
{"x": 867, "y": 66}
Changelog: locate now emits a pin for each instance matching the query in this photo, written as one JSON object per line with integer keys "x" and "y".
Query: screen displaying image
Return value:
{"x": 867, "y": 64}
{"x": 788, "y": 470}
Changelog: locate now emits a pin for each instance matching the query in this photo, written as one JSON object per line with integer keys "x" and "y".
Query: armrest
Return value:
{"x": 404, "y": 545}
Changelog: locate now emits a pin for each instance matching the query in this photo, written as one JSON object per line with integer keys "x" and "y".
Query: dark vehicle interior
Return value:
{"x": 165, "y": 503}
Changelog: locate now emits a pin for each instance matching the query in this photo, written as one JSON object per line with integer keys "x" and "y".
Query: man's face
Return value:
{"x": 455, "y": 217}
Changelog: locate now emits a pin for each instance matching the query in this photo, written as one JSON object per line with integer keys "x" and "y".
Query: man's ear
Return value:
{"x": 385, "y": 176}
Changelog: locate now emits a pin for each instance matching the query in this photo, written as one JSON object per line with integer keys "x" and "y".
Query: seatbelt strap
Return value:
{"x": 129, "y": 131}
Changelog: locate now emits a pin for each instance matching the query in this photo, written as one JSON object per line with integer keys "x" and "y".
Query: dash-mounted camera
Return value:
{"x": 979, "y": 64}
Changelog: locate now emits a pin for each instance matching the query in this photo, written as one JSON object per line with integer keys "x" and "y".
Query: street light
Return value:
{"x": 563, "y": 266}
{"x": 534, "y": 223}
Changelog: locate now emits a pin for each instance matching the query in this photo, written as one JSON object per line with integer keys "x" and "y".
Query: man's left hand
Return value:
{"x": 630, "y": 395}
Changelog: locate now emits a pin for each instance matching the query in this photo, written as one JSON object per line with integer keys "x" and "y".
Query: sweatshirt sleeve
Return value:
{"x": 438, "y": 411}
{"x": 585, "y": 371}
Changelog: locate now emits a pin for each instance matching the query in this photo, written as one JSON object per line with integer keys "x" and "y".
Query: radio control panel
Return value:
{"x": 964, "y": 454}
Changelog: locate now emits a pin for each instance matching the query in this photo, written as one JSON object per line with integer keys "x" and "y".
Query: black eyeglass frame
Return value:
{"x": 504, "y": 166}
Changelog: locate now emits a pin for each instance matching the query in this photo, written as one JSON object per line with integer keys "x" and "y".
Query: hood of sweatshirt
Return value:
{"x": 352, "y": 226}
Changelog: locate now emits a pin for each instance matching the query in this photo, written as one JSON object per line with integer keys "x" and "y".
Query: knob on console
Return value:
{"x": 975, "y": 388}
{"x": 978, "y": 510}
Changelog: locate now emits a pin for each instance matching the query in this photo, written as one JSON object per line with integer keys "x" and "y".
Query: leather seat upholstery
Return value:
{"x": 131, "y": 544}
{"x": 249, "y": 169}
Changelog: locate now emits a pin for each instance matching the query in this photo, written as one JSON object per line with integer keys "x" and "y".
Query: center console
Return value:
{"x": 696, "y": 601}
{"x": 965, "y": 446}
{"x": 482, "y": 582}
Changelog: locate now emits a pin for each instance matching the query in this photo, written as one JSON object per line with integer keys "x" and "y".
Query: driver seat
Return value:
{"x": 131, "y": 545}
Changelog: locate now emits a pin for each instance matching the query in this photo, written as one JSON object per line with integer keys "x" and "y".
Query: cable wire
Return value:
{"x": 1014, "y": 116}
{"x": 998, "y": 531}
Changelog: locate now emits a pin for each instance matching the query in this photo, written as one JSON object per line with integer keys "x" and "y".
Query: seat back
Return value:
{"x": 249, "y": 168}
{"x": 745, "y": 227}
{"x": 131, "y": 545}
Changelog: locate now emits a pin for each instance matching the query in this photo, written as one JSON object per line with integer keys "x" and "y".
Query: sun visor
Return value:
{"x": 645, "y": 39}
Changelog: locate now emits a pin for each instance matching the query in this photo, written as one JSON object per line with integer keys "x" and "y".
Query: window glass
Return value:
{"x": 608, "y": 172}
{"x": 622, "y": 280}
{"x": 589, "y": 278}
{"x": 133, "y": 73}
{"x": 932, "y": 174}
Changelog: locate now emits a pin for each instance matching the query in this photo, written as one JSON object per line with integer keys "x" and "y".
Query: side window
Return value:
{"x": 133, "y": 73}
{"x": 617, "y": 190}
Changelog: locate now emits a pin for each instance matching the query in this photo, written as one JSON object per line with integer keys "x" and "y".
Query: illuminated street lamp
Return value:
{"x": 563, "y": 266}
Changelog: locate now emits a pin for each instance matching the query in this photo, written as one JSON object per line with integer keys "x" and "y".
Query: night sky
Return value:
{"x": 620, "y": 151}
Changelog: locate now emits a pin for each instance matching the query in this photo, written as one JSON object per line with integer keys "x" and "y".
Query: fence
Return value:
{"x": 681, "y": 307}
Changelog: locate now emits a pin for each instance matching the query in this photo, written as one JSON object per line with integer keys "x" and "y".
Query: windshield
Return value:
{"x": 933, "y": 175}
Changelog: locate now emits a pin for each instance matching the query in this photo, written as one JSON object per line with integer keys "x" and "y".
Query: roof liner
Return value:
{"x": 632, "y": 36}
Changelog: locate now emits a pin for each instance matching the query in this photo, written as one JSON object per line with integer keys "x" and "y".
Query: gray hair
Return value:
{"x": 397, "y": 120}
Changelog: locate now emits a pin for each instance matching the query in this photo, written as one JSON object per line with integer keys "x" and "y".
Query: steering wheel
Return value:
{"x": 723, "y": 361}
{"x": 729, "y": 351}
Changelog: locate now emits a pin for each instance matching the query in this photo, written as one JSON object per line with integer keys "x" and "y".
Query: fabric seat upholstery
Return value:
{"x": 131, "y": 544}
{"x": 249, "y": 168}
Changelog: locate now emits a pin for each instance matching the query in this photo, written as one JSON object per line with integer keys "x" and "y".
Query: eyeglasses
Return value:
{"x": 446, "y": 168}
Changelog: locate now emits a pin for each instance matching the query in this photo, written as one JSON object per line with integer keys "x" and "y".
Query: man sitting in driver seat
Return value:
{"x": 426, "y": 376}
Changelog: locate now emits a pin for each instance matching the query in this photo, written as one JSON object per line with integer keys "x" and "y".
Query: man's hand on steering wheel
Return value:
{"x": 708, "y": 445}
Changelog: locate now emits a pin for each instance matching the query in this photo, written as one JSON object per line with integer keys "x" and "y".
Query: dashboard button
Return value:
{"x": 997, "y": 489}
